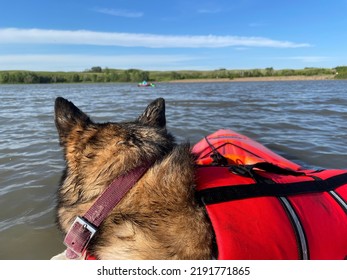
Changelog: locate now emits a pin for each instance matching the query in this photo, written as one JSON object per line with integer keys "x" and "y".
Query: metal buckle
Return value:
{"x": 82, "y": 244}
{"x": 90, "y": 227}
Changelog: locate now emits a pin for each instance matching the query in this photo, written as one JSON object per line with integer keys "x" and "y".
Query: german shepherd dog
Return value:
{"x": 159, "y": 217}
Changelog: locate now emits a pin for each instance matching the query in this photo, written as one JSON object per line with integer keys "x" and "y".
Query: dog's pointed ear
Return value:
{"x": 154, "y": 114}
{"x": 67, "y": 116}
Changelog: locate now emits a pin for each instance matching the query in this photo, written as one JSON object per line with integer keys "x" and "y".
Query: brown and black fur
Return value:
{"x": 159, "y": 217}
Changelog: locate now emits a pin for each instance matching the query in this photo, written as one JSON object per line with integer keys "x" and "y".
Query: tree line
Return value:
{"x": 106, "y": 75}
{"x": 97, "y": 74}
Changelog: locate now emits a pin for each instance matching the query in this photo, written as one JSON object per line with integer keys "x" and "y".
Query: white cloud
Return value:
{"x": 86, "y": 37}
{"x": 209, "y": 11}
{"x": 309, "y": 58}
{"x": 118, "y": 13}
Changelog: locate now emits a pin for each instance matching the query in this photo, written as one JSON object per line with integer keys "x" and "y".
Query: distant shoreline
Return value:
{"x": 99, "y": 75}
{"x": 257, "y": 79}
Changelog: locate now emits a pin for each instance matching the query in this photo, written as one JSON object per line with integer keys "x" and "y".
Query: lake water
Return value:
{"x": 305, "y": 121}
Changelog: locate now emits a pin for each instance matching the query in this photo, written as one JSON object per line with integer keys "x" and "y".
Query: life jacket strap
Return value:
{"x": 236, "y": 192}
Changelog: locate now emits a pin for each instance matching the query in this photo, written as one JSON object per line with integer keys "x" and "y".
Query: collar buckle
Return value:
{"x": 79, "y": 236}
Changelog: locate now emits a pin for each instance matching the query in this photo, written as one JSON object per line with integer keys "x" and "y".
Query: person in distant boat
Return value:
{"x": 145, "y": 84}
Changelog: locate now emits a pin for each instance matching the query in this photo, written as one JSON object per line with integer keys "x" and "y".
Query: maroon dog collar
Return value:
{"x": 84, "y": 228}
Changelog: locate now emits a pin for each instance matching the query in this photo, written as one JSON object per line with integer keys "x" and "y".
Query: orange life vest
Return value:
{"x": 263, "y": 206}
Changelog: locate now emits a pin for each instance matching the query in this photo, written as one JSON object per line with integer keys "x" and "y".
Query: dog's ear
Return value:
{"x": 154, "y": 115}
{"x": 67, "y": 116}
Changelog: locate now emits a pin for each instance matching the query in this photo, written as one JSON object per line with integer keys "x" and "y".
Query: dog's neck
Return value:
{"x": 83, "y": 229}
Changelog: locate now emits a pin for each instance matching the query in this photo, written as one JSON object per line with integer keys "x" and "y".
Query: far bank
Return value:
{"x": 258, "y": 79}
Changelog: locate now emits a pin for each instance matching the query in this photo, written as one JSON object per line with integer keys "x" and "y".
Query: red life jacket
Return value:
{"x": 263, "y": 206}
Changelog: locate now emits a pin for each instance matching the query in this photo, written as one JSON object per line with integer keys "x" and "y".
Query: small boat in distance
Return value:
{"x": 145, "y": 84}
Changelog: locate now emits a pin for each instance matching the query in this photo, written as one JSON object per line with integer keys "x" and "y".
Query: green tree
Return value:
{"x": 124, "y": 76}
{"x": 75, "y": 78}
{"x": 96, "y": 69}
{"x": 31, "y": 78}
{"x": 269, "y": 71}
{"x": 175, "y": 75}
{"x": 113, "y": 77}
{"x": 341, "y": 72}
{"x": 4, "y": 78}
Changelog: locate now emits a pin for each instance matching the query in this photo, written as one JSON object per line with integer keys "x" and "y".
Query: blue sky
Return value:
{"x": 172, "y": 35}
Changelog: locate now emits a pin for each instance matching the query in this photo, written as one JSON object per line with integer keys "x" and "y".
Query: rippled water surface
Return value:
{"x": 304, "y": 121}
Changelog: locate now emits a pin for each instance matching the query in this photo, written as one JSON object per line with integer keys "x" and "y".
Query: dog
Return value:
{"x": 159, "y": 217}
{"x": 129, "y": 191}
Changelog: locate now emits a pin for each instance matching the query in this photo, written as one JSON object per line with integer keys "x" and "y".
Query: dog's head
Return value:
{"x": 96, "y": 153}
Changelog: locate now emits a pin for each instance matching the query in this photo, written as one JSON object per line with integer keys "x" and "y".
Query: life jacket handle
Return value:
{"x": 217, "y": 157}
{"x": 250, "y": 171}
